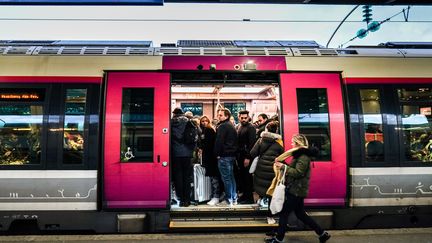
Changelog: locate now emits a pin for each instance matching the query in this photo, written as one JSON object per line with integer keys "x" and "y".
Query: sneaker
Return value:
{"x": 324, "y": 237}
{"x": 272, "y": 240}
{"x": 232, "y": 203}
{"x": 213, "y": 201}
{"x": 271, "y": 220}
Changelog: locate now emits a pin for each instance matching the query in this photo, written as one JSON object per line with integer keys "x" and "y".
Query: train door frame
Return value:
{"x": 223, "y": 79}
{"x": 123, "y": 182}
{"x": 334, "y": 172}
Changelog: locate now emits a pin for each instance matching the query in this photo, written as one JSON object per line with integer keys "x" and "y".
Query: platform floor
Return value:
{"x": 414, "y": 235}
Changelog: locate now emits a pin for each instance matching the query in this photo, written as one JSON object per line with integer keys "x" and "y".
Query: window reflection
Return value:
{"x": 416, "y": 123}
{"x": 373, "y": 125}
{"x": 75, "y": 109}
{"x": 314, "y": 120}
{"x": 235, "y": 108}
{"x": 195, "y": 108}
{"x": 137, "y": 125}
{"x": 20, "y": 130}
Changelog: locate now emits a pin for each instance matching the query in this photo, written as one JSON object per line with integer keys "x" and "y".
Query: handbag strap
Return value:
{"x": 282, "y": 180}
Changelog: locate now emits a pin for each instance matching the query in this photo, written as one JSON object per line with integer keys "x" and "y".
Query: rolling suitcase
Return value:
{"x": 202, "y": 184}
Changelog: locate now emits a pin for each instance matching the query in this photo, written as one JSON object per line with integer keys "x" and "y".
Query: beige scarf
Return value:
{"x": 277, "y": 171}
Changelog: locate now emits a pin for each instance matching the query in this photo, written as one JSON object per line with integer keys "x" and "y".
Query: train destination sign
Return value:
{"x": 81, "y": 2}
{"x": 22, "y": 95}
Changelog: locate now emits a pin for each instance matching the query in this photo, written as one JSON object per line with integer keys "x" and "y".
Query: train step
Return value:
{"x": 324, "y": 218}
{"x": 204, "y": 223}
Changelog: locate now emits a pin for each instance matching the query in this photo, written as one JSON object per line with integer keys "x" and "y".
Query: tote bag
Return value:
{"x": 253, "y": 165}
{"x": 278, "y": 195}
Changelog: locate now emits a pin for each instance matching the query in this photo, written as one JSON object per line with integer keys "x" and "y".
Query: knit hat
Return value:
{"x": 178, "y": 111}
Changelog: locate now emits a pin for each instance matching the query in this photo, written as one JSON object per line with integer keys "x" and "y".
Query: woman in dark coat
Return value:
{"x": 209, "y": 161}
{"x": 268, "y": 147}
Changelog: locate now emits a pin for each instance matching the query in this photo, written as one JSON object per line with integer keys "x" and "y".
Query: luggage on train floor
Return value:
{"x": 202, "y": 184}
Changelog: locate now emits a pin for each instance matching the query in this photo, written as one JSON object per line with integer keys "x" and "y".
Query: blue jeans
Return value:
{"x": 225, "y": 165}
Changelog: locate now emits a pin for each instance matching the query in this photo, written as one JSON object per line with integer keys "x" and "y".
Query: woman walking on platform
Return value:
{"x": 297, "y": 187}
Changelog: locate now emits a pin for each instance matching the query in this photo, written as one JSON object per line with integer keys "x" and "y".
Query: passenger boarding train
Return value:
{"x": 85, "y": 130}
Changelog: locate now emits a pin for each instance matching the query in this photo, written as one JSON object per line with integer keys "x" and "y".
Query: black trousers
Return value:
{"x": 296, "y": 204}
{"x": 245, "y": 179}
{"x": 182, "y": 170}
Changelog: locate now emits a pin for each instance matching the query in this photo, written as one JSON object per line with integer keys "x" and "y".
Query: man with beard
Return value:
{"x": 263, "y": 120}
{"x": 246, "y": 140}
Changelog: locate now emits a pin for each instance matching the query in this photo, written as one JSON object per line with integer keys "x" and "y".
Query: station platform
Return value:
{"x": 417, "y": 235}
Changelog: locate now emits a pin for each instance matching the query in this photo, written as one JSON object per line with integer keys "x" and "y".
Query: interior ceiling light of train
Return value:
{"x": 220, "y": 89}
{"x": 262, "y": 92}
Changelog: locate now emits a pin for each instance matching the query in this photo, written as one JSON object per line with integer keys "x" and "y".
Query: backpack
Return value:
{"x": 190, "y": 134}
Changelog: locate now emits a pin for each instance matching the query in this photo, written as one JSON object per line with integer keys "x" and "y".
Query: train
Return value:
{"x": 74, "y": 113}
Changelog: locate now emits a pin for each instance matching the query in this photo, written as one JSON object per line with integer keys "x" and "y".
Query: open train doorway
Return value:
{"x": 200, "y": 96}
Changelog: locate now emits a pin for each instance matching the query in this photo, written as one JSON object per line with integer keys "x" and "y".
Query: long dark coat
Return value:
{"x": 268, "y": 147}
{"x": 208, "y": 138}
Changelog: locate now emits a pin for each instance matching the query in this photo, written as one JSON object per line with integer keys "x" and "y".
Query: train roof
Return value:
{"x": 208, "y": 47}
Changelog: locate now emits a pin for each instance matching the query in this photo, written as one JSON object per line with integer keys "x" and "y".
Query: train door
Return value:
{"x": 312, "y": 104}
{"x": 136, "y": 140}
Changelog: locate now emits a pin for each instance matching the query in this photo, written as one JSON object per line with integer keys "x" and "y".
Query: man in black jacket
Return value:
{"x": 225, "y": 150}
{"x": 246, "y": 140}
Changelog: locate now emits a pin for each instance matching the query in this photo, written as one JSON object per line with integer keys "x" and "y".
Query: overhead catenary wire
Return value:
{"x": 197, "y": 20}
{"x": 340, "y": 24}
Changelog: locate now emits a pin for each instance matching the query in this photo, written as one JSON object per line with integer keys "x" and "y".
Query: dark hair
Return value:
{"x": 226, "y": 112}
{"x": 264, "y": 116}
{"x": 272, "y": 126}
{"x": 243, "y": 112}
{"x": 177, "y": 111}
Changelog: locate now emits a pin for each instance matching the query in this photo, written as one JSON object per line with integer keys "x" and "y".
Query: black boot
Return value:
{"x": 324, "y": 237}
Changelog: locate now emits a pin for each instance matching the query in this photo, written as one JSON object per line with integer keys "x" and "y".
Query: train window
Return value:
{"x": 137, "y": 125}
{"x": 74, "y": 120}
{"x": 21, "y": 133}
{"x": 195, "y": 108}
{"x": 235, "y": 108}
{"x": 416, "y": 110}
{"x": 314, "y": 120}
{"x": 372, "y": 125}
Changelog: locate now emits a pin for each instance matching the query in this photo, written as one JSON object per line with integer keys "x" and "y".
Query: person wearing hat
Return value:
{"x": 182, "y": 155}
